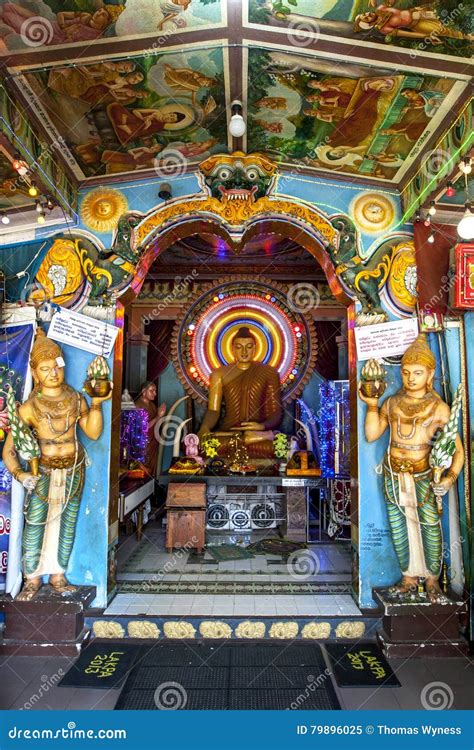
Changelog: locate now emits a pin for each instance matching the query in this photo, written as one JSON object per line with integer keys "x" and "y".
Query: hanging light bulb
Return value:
{"x": 431, "y": 238}
{"x": 5, "y": 219}
{"x": 20, "y": 166}
{"x": 466, "y": 165}
{"x": 237, "y": 125}
{"x": 466, "y": 225}
{"x": 41, "y": 218}
{"x": 432, "y": 209}
{"x": 33, "y": 190}
{"x": 450, "y": 190}
{"x": 417, "y": 215}
{"x": 39, "y": 207}
{"x": 427, "y": 221}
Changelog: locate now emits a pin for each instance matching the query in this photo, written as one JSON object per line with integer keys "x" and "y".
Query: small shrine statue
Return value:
{"x": 146, "y": 400}
{"x": 49, "y": 419}
{"x": 191, "y": 444}
{"x": 414, "y": 416}
{"x": 251, "y": 394}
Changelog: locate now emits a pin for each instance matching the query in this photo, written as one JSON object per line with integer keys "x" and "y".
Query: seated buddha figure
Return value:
{"x": 250, "y": 393}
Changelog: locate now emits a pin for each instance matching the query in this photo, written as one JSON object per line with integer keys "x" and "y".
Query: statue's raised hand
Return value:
{"x": 99, "y": 399}
{"x": 369, "y": 400}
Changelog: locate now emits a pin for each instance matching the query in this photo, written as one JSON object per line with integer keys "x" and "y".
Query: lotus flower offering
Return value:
{"x": 97, "y": 383}
{"x": 373, "y": 379}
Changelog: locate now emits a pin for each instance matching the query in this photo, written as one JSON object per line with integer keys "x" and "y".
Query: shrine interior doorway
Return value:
{"x": 252, "y": 563}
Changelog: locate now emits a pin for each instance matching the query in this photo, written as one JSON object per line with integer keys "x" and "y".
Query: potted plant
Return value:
{"x": 97, "y": 383}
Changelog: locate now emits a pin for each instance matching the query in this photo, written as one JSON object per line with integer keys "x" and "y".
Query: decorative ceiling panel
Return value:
{"x": 116, "y": 88}
{"x": 161, "y": 112}
{"x": 441, "y": 27}
{"x": 33, "y": 24}
{"x": 341, "y": 116}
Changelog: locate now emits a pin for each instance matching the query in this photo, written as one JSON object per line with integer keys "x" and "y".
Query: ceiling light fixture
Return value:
{"x": 466, "y": 165}
{"x": 431, "y": 238}
{"x": 237, "y": 125}
{"x": 4, "y": 218}
{"x": 165, "y": 192}
{"x": 33, "y": 190}
{"x": 432, "y": 209}
{"x": 41, "y": 218}
{"x": 466, "y": 225}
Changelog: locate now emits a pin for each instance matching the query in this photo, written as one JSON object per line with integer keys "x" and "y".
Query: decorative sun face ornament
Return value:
{"x": 372, "y": 212}
{"x": 102, "y": 208}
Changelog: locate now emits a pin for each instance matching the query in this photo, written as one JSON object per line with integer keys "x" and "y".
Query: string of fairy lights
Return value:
{"x": 465, "y": 227}
{"x": 25, "y": 176}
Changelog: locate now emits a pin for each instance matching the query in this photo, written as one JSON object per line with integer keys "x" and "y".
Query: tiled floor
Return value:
{"x": 31, "y": 683}
{"x": 147, "y": 559}
{"x": 241, "y": 606}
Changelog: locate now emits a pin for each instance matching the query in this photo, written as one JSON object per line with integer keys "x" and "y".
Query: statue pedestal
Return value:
{"x": 420, "y": 628}
{"x": 49, "y": 624}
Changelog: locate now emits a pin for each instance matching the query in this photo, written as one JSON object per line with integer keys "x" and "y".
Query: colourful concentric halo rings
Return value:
{"x": 203, "y": 339}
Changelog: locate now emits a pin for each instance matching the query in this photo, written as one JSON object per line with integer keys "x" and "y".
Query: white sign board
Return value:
{"x": 385, "y": 339}
{"x": 83, "y": 332}
{"x": 299, "y": 482}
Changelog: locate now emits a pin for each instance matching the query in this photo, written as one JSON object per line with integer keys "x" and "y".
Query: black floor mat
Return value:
{"x": 101, "y": 665}
{"x": 360, "y": 665}
{"x": 229, "y": 676}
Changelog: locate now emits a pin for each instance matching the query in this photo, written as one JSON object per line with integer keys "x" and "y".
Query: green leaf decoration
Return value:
{"x": 24, "y": 441}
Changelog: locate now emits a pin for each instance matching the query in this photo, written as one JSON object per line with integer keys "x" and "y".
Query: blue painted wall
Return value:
{"x": 88, "y": 562}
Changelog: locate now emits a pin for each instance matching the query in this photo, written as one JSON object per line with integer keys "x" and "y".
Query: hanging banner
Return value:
{"x": 83, "y": 332}
{"x": 15, "y": 345}
{"x": 385, "y": 339}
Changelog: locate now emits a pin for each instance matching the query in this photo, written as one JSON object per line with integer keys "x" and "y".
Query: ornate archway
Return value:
{"x": 237, "y": 204}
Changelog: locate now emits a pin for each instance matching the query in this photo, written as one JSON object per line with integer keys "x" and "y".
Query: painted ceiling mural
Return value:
{"x": 37, "y": 23}
{"x": 436, "y": 26}
{"x": 340, "y": 117}
{"x": 126, "y": 87}
{"x": 156, "y": 111}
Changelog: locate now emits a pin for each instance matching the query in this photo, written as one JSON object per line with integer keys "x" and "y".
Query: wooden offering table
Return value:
{"x": 186, "y": 516}
{"x": 240, "y": 503}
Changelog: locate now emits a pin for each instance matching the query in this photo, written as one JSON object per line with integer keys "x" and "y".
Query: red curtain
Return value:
{"x": 159, "y": 348}
{"x": 432, "y": 260}
{"x": 327, "y": 358}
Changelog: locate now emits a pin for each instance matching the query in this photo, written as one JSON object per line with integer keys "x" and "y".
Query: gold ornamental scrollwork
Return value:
{"x": 237, "y": 214}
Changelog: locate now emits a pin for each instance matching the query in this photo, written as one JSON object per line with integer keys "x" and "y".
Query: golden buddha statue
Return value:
{"x": 414, "y": 416}
{"x": 251, "y": 394}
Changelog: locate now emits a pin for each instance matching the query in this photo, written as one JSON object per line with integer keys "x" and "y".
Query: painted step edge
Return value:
{"x": 214, "y": 627}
